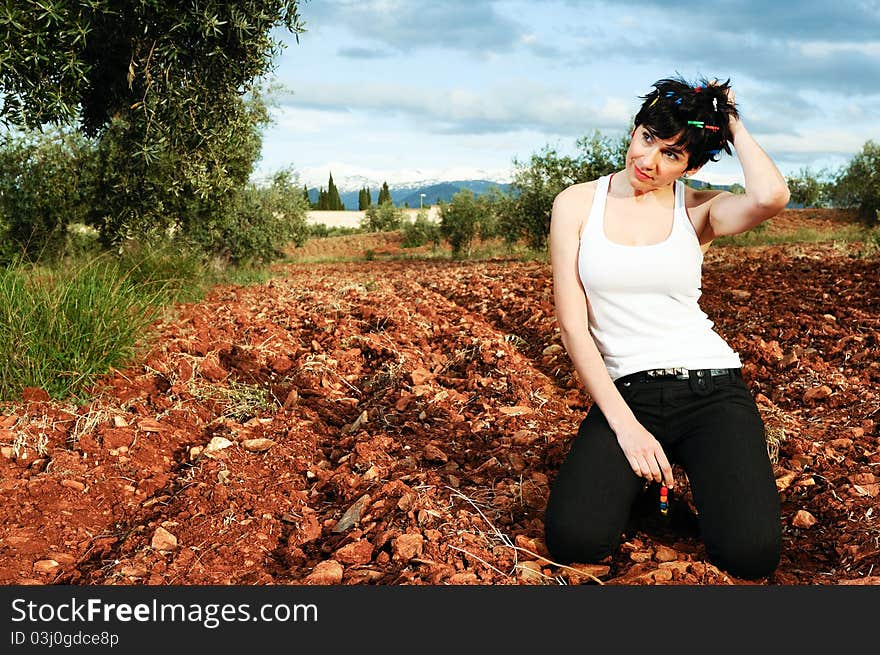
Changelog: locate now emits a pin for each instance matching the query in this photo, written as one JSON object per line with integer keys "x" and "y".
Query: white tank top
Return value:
{"x": 643, "y": 300}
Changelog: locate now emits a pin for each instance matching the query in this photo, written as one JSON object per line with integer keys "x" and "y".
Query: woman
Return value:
{"x": 626, "y": 252}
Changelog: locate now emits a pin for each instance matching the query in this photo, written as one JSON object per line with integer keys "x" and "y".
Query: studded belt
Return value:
{"x": 657, "y": 374}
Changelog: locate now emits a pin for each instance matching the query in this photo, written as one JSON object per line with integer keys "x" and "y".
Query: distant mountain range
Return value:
{"x": 411, "y": 195}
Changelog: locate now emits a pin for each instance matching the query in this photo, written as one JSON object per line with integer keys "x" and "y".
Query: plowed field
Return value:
{"x": 399, "y": 422}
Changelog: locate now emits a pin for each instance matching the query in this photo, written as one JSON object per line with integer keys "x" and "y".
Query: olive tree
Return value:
{"x": 160, "y": 84}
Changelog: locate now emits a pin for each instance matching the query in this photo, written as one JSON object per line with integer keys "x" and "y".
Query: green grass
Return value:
{"x": 762, "y": 237}
{"x": 61, "y": 327}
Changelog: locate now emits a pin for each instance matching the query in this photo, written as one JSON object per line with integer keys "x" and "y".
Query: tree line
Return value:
{"x": 142, "y": 122}
{"x": 330, "y": 200}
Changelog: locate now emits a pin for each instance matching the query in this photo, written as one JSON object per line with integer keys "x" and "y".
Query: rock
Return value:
{"x": 354, "y": 427}
{"x": 579, "y": 573}
{"x": 211, "y": 369}
{"x": 665, "y": 554}
{"x": 34, "y": 394}
{"x": 530, "y": 572}
{"x": 73, "y": 484}
{"x": 357, "y": 552}
{"x": 45, "y": 566}
{"x": 257, "y": 445}
{"x": 740, "y": 294}
{"x": 215, "y": 447}
{"x": 434, "y": 454}
{"x": 352, "y": 514}
{"x": 784, "y": 480}
{"x": 407, "y": 546}
{"x": 325, "y": 573}
{"x": 292, "y": 399}
{"x": 803, "y": 519}
{"x": 163, "y": 540}
{"x": 149, "y": 425}
{"x": 420, "y": 376}
{"x": 817, "y": 393}
{"x": 463, "y": 578}
{"x": 869, "y": 580}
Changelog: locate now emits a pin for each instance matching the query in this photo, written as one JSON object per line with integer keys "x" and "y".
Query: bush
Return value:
{"x": 43, "y": 189}
{"x": 807, "y": 190}
{"x": 384, "y": 217}
{"x": 537, "y": 182}
{"x": 858, "y": 185}
{"x": 459, "y": 221}
{"x": 257, "y": 228}
{"x": 420, "y": 232}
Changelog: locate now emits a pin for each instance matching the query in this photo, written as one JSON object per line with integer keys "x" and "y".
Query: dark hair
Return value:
{"x": 667, "y": 109}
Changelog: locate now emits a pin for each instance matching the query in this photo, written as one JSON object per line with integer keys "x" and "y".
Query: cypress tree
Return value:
{"x": 384, "y": 194}
{"x": 334, "y": 202}
{"x": 306, "y": 195}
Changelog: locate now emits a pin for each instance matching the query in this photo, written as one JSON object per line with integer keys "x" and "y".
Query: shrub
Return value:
{"x": 42, "y": 191}
{"x": 858, "y": 184}
{"x": 383, "y": 217}
{"x": 420, "y": 232}
{"x": 459, "y": 221}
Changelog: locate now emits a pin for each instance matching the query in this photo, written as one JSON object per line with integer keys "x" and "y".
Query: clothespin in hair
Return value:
{"x": 697, "y": 123}
{"x": 712, "y": 153}
{"x": 654, "y": 101}
{"x": 697, "y": 89}
{"x": 713, "y": 128}
{"x": 715, "y": 104}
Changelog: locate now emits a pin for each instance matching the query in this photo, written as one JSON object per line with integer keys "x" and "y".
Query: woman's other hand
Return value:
{"x": 644, "y": 453}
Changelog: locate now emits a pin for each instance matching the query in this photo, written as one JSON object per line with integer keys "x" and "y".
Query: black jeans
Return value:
{"x": 715, "y": 434}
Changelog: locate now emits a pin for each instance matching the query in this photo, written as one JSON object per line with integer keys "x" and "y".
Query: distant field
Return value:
{"x": 353, "y": 218}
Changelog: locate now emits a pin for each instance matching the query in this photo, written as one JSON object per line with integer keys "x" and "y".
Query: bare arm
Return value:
{"x": 766, "y": 190}
{"x": 641, "y": 449}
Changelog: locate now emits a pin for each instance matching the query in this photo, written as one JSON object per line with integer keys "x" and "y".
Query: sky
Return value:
{"x": 405, "y": 90}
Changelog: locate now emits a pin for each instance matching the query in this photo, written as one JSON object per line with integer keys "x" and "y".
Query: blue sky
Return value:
{"x": 452, "y": 89}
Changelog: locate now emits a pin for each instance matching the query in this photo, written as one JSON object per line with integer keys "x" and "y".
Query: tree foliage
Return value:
{"x": 383, "y": 217}
{"x": 858, "y": 184}
{"x": 44, "y": 187}
{"x": 161, "y": 85}
{"x": 460, "y": 221}
{"x": 807, "y": 189}
{"x": 384, "y": 194}
{"x": 537, "y": 182}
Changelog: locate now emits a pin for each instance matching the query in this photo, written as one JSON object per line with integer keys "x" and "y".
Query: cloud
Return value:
{"x": 363, "y": 53}
{"x": 846, "y": 20}
{"x": 406, "y": 25}
{"x": 503, "y": 108}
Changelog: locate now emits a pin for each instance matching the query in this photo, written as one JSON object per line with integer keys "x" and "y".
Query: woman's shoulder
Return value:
{"x": 575, "y": 195}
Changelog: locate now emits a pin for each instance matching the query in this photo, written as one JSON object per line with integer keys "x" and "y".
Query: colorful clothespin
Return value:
{"x": 664, "y": 499}
{"x": 654, "y": 101}
{"x": 714, "y": 128}
{"x": 697, "y": 123}
{"x": 712, "y": 153}
{"x": 715, "y": 104}
{"x": 697, "y": 89}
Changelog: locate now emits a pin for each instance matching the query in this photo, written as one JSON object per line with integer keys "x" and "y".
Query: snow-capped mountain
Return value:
{"x": 351, "y": 178}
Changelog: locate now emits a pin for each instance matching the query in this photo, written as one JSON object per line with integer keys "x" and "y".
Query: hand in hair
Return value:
{"x": 733, "y": 121}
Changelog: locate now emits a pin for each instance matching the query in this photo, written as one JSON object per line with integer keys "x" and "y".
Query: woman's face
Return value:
{"x": 653, "y": 163}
